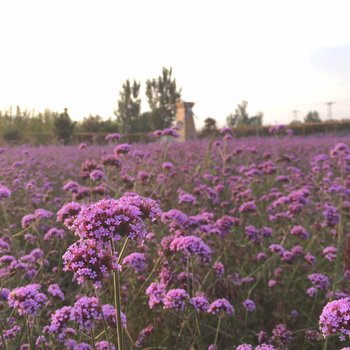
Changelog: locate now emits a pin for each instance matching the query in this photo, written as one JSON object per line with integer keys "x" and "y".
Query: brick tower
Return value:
{"x": 185, "y": 121}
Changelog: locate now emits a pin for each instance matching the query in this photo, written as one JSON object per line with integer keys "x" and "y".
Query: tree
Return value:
{"x": 257, "y": 120}
{"x": 143, "y": 123}
{"x": 91, "y": 124}
{"x": 162, "y": 95}
{"x": 63, "y": 126}
{"x": 312, "y": 117}
{"x": 95, "y": 123}
{"x": 129, "y": 106}
{"x": 241, "y": 117}
{"x": 209, "y": 128}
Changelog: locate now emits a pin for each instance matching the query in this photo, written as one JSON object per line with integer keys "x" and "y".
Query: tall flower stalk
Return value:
{"x": 116, "y": 293}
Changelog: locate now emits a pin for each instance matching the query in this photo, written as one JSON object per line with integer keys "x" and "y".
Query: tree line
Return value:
{"x": 161, "y": 95}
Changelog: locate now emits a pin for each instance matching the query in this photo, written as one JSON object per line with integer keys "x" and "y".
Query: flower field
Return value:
{"x": 210, "y": 244}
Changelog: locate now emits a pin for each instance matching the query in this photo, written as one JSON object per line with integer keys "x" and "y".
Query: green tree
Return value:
{"x": 64, "y": 127}
{"x": 91, "y": 124}
{"x": 241, "y": 117}
{"x": 257, "y": 120}
{"x": 312, "y": 117}
{"x": 143, "y": 123}
{"x": 209, "y": 127}
{"x": 129, "y": 106}
{"x": 162, "y": 95}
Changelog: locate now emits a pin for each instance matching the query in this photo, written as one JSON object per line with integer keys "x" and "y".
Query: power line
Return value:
{"x": 295, "y": 114}
{"x": 329, "y": 108}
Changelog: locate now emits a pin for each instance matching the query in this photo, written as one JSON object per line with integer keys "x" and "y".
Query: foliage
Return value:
{"x": 129, "y": 106}
{"x": 241, "y": 117}
{"x": 11, "y": 134}
{"x": 162, "y": 95}
{"x": 64, "y": 126}
{"x": 209, "y": 128}
{"x": 95, "y": 124}
{"x": 312, "y": 117}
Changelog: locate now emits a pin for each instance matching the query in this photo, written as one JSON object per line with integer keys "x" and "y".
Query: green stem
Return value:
{"x": 117, "y": 299}
{"x": 122, "y": 252}
{"x": 116, "y": 285}
{"x": 325, "y": 345}
{"x": 93, "y": 339}
{"x": 149, "y": 277}
{"x": 336, "y": 268}
{"x": 217, "y": 330}
{"x": 103, "y": 321}
{"x": 30, "y": 338}
{"x": 3, "y": 339}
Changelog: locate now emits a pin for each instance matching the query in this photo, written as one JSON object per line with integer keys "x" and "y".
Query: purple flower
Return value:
{"x": 82, "y": 146}
{"x": 212, "y": 347}
{"x": 244, "y": 347}
{"x": 146, "y": 332}
{"x": 68, "y": 213}
{"x": 300, "y": 232}
{"x": 249, "y": 305}
{"x": 55, "y": 291}
{"x": 252, "y": 233}
{"x": 60, "y": 319}
{"x": 82, "y": 346}
{"x": 221, "y": 306}
{"x": 311, "y": 292}
{"x": 319, "y": 281}
{"x": 170, "y": 132}
{"x": 103, "y": 345}
{"x": 272, "y": 283}
{"x": 331, "y": 215}
{"x": 54, "y": 232}
{"x": 310, "y": 258}
{"x": 86, "y": 311}
{"x": 330, "y": 253}
{"x": 111, "y": 160}
{"x": 167, "y": 166}
{"x": 175, "y": 299}
{"x": 4, "y": 192}
{"x": 27, "y": 220}
{"x": 185, "y": 197}
{"x": 110, "y": 219}
{"x": 148, "y": 207}
{"x": 136, "y": 261}
{"x": 190, "y": 246}
{"x": 43, "y": 214}
{"x": 113, "y": 137}
{"x": 4, "y": 293}
{"x": 281, "y": 335}
{"x": 90, "y": 261}
{"x": 156, "y": 293}
{"x": 123, "y": 148}
{"x": 248, "y": 207}
{"x": 219, "y": 268}
{"x": 97, "y": 175}
{"x": 335, "y": 318}
{"x": 265, "y": 347}
{"x": 200, "y": 302}
{"x": 27, "y": 300}
{"x": 109, "y": 314}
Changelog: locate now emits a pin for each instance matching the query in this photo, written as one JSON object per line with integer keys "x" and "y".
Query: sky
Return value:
{"x": 279, "y": 56}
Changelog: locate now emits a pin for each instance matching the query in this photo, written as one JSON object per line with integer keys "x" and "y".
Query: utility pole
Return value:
{"x": 329, "y": 108}
{"x": 295, "y": 115}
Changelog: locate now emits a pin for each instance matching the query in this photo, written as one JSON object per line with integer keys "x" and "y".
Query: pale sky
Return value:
{"x": 278, "y": 55}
